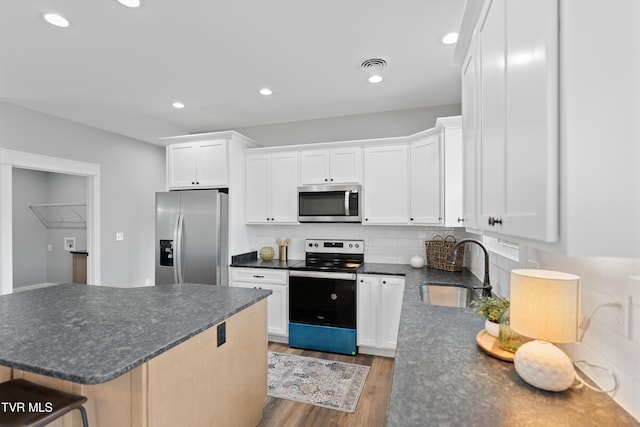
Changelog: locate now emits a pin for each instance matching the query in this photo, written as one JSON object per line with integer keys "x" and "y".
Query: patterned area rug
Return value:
{"x": 326, "y": 383}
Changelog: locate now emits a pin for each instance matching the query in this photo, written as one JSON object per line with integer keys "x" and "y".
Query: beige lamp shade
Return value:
{"x": 545, "y": 305}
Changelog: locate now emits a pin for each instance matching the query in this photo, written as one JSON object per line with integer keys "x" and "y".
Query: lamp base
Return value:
{"x": 545, "y": 366}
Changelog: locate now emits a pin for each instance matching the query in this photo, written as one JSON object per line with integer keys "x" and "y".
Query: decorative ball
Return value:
{"x": 267, "y": 253}
{"x": 417, "y": 261}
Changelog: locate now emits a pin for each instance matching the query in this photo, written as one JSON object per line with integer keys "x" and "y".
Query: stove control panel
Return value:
{"x": 335, "y": 246}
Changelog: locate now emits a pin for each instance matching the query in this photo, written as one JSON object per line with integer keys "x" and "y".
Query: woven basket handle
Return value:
{"x": 449, "y": 236}
{"x": 437, "y": 238}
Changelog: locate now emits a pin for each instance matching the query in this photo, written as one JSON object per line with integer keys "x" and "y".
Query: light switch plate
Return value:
{"x": 119, "y": 236}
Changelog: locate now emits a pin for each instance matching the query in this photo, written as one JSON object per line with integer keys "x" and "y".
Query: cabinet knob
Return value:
{"x": 384, "y": 282}
{"x": 331, "y": 179}
{"x": 366, "y": 219}
{"x": 493, "y": 221}
{"x": 361, "y": 280}
{"x": 193, "y": 183}
{"x": 460, "y": 219}
{"x": 272, "y": 219}
{"x": 325, "y": 180}
{"x": 411, "y": 219}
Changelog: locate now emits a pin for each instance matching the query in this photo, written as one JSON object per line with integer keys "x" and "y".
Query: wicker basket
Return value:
{"x": 437, "y": 251}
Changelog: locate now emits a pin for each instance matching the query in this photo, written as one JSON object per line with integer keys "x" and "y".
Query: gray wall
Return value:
{"x": 132, "y": 171}
{"x": 363, "y": 126}
{"x": 31, "y": 238}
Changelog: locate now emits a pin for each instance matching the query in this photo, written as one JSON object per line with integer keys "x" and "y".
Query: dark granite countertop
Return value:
{"x": 442, "y": 378}
{"x": 92, "y": 334}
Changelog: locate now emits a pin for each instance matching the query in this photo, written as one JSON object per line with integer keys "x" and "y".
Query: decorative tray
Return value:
{"x": 490, "y": 345}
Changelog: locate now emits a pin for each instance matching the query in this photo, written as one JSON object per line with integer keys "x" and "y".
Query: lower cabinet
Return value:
{"x": 276, "y": 281}
{"x": 378, "y": 319}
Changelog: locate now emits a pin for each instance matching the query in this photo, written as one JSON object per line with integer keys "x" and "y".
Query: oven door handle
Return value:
{"x": 323, "y": 275}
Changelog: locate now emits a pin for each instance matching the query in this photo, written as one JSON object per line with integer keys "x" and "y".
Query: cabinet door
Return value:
{"x": 258, "y": 182}
{"x": 453, "y": 178}
{"x": 531, "y": 158}
{"x": 391, "y": 294}
{"x": 426, "y": 181}
{"x": 345, "y": 165}
{"x": 367, "y": 311}
{"x": 386, "y": 185}
{"x": 277, "y": 310}
{"x": 470, "y": 135}
{"x": 284, "y": 188}
{"x": 212, "y": 163}
{"x": 314, "y": 167}
{"x": 492, "y": 140}
{"x": 182, "y": 165}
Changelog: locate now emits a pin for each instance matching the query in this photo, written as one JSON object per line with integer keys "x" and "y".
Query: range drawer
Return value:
{"x": 259, "y": 275}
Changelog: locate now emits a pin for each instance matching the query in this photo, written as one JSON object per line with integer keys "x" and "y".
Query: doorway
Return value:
{"x": 10, "y": 159}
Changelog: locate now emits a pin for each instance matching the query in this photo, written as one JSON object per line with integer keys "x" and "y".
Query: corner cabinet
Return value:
{"x": 275, "y": 280}
{"x": 331, "y": 166}
{"x": 271, "y": 188}
{"x": 378, "y": 313}
{"x": 386, "y": 185}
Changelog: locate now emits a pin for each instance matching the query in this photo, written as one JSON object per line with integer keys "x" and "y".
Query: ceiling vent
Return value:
{"x": 373, "y": 65}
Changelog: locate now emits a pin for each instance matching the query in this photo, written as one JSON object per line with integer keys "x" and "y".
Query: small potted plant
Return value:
{"x": 492, "y": 309}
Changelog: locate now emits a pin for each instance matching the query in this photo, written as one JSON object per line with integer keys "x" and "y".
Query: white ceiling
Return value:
{"x": 119, "y": 69}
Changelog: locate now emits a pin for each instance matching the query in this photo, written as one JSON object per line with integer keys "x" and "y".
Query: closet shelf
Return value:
{"x": 61, "y": 215}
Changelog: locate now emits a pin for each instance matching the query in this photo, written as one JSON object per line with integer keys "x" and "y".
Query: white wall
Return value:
{"x": 362, "y": 126}
{"x": 132, "y": 171}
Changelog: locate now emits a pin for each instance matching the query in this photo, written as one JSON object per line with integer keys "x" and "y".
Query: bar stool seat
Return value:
{"x": 47, "y": 404}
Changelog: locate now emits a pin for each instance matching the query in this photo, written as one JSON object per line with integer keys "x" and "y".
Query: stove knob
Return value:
{"x": 357, "y": 245}
{"x": 310, "y": 245}
{"x": 350, "y": 245}
{"x": 315, "y": 244}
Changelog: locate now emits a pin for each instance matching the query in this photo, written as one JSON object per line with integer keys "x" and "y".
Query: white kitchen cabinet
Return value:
{"x": 386, "y": 185}
{"x": 470, "y": 135}
{"x": 331, "y": 166}
{"x": 378, "y": 318}
{"x": 276, "y": 281}
{"x": 197, "y": 164}
{"x": 271, "y": 192}
{"x": 436, "y": 174}
{"x": 516, "y": 147}
{"x": 426, "y": 181}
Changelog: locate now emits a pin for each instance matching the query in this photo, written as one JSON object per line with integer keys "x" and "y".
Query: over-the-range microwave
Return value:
{"x": 330, "y": 203}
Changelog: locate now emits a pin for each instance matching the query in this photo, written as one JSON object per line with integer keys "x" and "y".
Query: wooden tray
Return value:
{"x": 490, "y": 345}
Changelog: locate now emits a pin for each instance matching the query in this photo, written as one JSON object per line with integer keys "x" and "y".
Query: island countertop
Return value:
{"x": 92, "y": 334}
{"x": 442, "y": 378}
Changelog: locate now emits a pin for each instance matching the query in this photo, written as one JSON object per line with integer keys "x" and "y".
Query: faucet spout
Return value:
{"x": 451, "y": 258}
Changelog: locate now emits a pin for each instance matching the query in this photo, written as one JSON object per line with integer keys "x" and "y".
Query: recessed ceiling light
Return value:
{"x": 376, "y": 78}
{"x": 450, "y": 38}
{"x": 265, "y": 91}
{"x": 130, "y": 3}
{"x": 177, "y": 104}
{"x": 57, "y": 20}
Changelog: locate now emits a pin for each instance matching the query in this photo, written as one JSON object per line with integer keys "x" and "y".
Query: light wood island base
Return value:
{"x": 195, "y": 383}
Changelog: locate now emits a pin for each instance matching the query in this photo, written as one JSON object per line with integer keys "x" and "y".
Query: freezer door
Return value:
{"x": 200, "y": 243}
{"x": 167, "y": 213}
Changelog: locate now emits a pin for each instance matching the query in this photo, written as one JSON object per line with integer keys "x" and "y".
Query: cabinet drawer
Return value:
{"x": 259, "y": 275}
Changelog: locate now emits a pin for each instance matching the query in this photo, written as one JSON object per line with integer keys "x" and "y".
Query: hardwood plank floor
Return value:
{"x": 372, "y": 405}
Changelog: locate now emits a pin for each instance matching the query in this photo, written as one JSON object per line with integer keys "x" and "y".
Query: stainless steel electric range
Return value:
{"x": 322, "y": 296}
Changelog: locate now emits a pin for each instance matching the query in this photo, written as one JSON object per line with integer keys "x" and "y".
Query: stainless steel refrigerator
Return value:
{"x": 192, "y": 237}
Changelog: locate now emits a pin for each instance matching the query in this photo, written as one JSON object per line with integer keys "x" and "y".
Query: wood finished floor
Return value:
{"x": 372, "y": 405}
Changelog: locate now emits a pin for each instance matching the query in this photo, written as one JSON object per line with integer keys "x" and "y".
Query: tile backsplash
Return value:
{"x": 383, "y": 244}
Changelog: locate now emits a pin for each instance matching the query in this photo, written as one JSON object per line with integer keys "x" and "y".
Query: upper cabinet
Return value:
{"x": 200, "y": 160}
{"x": 271, "y": 188}
{"x": 386, "y": 185}
{"x": 510, "y": 102}
{"x": 331, "y": 166}
{"x": 551, "y": 137}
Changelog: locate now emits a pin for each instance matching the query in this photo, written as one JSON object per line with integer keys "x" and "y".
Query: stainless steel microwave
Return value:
{"x": 330, "y": 203}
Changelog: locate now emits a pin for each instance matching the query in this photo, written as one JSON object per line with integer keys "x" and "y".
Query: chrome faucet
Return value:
{"x": 451, "y": 259}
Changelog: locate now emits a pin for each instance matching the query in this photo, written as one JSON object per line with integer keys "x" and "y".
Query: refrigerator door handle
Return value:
{"x": 176, "y": 258}
{"x": 179, "y": 257}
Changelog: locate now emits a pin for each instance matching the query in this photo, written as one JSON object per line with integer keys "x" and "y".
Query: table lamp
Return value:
{"x": 545, "y": 307}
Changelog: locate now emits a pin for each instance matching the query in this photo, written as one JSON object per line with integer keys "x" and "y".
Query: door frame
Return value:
{"x": 10, "y": 159}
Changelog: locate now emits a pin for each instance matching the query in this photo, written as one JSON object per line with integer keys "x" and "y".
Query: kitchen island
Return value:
{"x": 143, "y": 356}
{"x": 442, "y": 378}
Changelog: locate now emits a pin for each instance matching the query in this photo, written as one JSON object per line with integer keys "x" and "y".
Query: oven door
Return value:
{"x": 322, "y": 298}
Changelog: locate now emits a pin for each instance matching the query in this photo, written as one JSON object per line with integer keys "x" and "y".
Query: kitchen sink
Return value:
{"x": 446, "y": 294}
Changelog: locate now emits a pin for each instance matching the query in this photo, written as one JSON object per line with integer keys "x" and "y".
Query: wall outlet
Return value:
{"x": 622, "y": 317}
{"x": 119, "y": 236}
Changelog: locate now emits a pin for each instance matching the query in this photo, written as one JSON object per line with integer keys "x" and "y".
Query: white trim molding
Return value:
{"x": 19, "y": 159}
